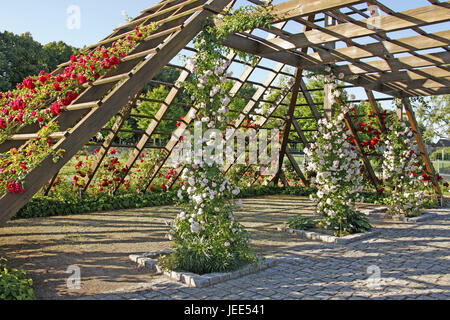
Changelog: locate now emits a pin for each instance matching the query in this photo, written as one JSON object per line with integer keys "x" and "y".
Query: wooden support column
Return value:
{"x": 376, "y": 110}
{"x": 297, "y": 169}
{"x": 106, "y": 146}
{"x": 399, "y": 110}
{"x": 426, "y": 159}
{"x": 287, "y": 128}
{"x": 327, "y": 91}
{"x": 359, "y": 146}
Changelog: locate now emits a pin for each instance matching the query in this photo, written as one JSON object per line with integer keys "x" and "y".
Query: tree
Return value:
{"x": 21, "y": 56}
{"x": 433, "y": 115}
{"x": 56, "y": 53}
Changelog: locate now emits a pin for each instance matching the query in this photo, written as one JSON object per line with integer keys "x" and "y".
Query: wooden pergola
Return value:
{"x": 353, "y": 35}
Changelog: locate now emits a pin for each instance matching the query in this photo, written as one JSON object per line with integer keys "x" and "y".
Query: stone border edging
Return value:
{"x": 380, "y": 214}
{"x": 310, "y": 235}
{"x": 149, "y": 262}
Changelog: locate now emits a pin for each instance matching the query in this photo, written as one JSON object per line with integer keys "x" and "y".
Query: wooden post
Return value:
{"x": 289, "y": 121}
{"x": 426, "y": 159}
{"x": 327, "y": 91}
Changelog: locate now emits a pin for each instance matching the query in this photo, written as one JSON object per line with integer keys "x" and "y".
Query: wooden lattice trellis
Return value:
{"x": 393, "y": 66}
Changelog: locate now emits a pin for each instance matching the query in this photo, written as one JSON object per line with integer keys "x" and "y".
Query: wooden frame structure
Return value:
{"x": 300, "y": 38}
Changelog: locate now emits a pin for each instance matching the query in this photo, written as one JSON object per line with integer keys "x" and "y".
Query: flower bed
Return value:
{"x": 149, "y": 261}
{"x": 324, "y": 236}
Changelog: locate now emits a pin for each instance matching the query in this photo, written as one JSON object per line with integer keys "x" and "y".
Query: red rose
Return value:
{"x": 28, "y": 83}
{"x": 40, "y": 120}
{"x": 114, "y": 60}
{"x": 56, "y": 87}
{"x": 55, "y": 109}
{"x": 81, "y": 78}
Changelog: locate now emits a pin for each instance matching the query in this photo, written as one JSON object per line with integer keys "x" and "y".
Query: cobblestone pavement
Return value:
{"x": 407, "y": 261}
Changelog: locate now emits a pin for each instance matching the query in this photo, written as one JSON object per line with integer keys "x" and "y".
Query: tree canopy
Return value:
{"x": 21, "y": 56}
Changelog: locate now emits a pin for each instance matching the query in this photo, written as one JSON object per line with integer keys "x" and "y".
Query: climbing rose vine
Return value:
{"x": 40, "y": 99}
{"x": 206, "y": 236}
{"x": 336, "y": 172}
{"x": 404, "y": 175}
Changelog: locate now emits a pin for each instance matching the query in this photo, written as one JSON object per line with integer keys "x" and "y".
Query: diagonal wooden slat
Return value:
{"x": 386, "y": 23}
{"x": 98, "y": 117}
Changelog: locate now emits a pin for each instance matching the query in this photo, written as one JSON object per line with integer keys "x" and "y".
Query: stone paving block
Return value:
{"x": 413, "y": 259}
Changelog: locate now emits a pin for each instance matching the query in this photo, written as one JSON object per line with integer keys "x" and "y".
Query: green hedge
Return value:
{"x": 14, "y": 283}
{"x": 47, "y": 206}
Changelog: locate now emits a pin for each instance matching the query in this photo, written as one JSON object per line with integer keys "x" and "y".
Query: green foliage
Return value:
{"x": 69, "y": 205}
{"x": 433, "y": 115}
{"x": 242, "y": 19}
{"x": 14, "y": 283}
{"x": 352, "y": 222}
{"x": 55, "y": 53}
{"x": 208, "y": 253}
{"x": 152, "y": 108}
{"x": 301, "y": 223}
{"x": 47, "y": 206}
{"x": 21, "y": 56}
{"x": 437, "y": 155}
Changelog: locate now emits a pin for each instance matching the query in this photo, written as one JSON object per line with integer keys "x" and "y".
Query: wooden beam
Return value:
{"x": 426, "y": 159}
{"x": 98, "y": 117}
{"x": 410, "y": 62}
{"x": 376, "y": 110}
{"x": 359, "y": 146}
{"x": 288, "y": 124}
{"x": 297, "y": 169}
{"x": 294, "y": 8}
{"x": 386, "y": 23}
{"x": 123, "y": 115}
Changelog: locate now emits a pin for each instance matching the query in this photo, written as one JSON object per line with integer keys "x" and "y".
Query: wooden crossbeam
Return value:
{"x": 387, "y": 23}
{"x": 106, "y": 146}
{"x": 98, "y": 117}
{"x": 293, "y": 9}
{"x": 410, "y": 62}
{"x": 259, "y": 94}
{"x": 297, "y": 169}
{"x": 140, "y": 146}
{"x": 261, "y": 124}
{"x": 376, "y": 110}
{"x": 288, "y": 124}
{"x": 428, "y": 164}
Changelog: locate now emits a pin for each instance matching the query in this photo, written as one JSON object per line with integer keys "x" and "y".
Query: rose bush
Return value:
{"x": 39, "y": 99}
{"x": 405, "y": 179}
{"x": 206, "y": 236}
{"x": 336, "y": 171}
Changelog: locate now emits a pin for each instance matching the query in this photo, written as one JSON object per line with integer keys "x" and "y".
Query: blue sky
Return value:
{"x": 48, "y": 22}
